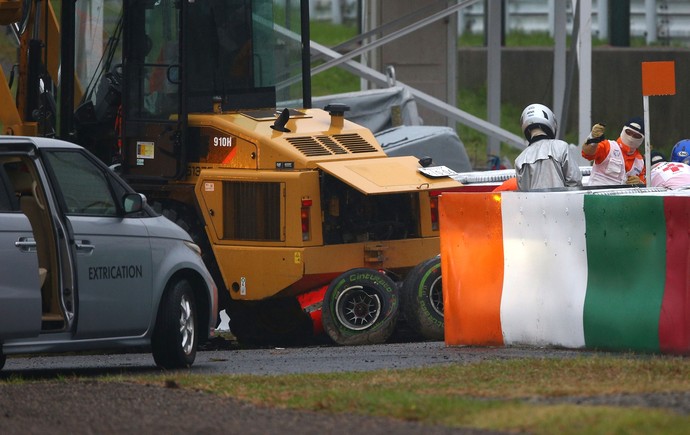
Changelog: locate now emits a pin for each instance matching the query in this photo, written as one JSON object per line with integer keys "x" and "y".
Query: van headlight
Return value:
{"x": 194, "y": 247}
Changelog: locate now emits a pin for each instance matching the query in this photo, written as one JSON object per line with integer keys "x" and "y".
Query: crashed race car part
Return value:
{"x": 360, "y": 307}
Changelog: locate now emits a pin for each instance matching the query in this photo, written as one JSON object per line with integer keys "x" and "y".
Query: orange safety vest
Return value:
{"x": 613, "y": 164}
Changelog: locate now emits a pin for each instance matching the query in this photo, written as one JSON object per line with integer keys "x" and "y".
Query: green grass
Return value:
{"x": 335, "y": 80}
{"x": 474, "y": 102}
{"x": 518, "y": 38}
{"x": 485, "y": 395}
{"x": 476, "y": 142}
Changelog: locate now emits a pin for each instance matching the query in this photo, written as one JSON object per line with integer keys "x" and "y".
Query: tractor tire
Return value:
{"x": 422, "y": 299}
{"x": 360, "y": 307}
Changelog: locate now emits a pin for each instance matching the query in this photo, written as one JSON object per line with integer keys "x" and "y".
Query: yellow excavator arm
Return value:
{"x": 12, "y": 123}
{"x": 10, "y": 11}
{"x": 13, "y": 118}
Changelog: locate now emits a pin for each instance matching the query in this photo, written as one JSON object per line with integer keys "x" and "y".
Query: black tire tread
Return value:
{"x": 380, "y": 332}
{"x": 418, "y": 315}
{"x": 166, "y": 341}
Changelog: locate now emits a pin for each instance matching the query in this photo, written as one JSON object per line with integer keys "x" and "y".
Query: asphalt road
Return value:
{"x": 226, "y": 358}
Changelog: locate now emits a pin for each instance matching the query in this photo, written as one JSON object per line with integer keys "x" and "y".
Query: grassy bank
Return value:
{"x": 471, "y": 101}
{"x": 336, "y": 80}
{"x": 516, "y": 395}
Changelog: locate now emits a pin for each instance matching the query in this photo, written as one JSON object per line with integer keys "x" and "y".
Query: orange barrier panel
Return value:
{"x": 477, "y": 319}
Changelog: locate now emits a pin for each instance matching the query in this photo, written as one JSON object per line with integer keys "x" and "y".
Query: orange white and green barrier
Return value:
{"x": 567, "y": 269}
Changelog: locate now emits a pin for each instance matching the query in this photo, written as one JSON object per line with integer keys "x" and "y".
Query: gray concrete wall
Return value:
{"x": 421, "y": 58}
{"x": 616, "y": 86}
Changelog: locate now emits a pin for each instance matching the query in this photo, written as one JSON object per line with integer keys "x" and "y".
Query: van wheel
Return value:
{"x": 360, "y": 307}
{"x": 174, "y": 340}
{"x": 2, "y": 360}
{"x": 422, "y": 299}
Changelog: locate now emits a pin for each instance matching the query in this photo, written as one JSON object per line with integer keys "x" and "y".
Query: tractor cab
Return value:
{"x": 200, "y": 57}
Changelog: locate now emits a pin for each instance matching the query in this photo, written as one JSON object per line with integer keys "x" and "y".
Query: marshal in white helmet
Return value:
{"x": 547, "y": 162}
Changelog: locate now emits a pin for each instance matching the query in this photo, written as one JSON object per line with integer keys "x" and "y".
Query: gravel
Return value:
{"x": 79, "y": 407}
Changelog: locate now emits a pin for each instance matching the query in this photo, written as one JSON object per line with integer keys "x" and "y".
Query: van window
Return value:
{"x": 83, "y": 185}
{"x": 5, "y": 198}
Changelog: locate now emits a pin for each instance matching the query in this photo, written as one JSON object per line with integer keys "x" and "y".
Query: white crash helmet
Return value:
{"x": 538, "y": 115}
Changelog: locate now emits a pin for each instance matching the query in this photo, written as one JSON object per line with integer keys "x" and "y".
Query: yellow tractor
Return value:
{"x": 204, "y": 107}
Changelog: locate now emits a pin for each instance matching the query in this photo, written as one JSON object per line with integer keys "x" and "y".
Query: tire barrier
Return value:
{"x": 567, "y": 269}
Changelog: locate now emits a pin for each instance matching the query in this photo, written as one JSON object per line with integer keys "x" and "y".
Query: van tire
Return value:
{"x": 422, "y": 299}
{"x": 360, "y": 307}
{"x": 175, "y": 336}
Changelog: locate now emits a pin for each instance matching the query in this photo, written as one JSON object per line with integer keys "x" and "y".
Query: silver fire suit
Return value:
{"x": 547, "y": 163}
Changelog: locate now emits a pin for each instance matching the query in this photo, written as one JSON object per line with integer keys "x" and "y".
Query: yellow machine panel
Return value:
{"x": 255, "y": 273}
{"x": 387, "y": 175}
{"x": 260, "y": 208}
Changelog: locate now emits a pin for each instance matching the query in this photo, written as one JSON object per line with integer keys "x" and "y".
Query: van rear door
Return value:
{"x": 20, "y": 292}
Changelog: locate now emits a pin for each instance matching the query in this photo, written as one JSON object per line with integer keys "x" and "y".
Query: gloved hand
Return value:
{"x": 598, "y": 129}
{"x": 597, "y": 133}
{"x": 633, "y": 179}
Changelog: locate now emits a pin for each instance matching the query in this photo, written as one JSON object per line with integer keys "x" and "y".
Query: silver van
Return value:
{"x": 86, "y": 264}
